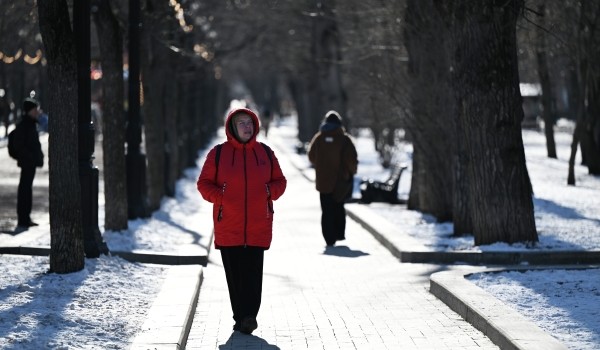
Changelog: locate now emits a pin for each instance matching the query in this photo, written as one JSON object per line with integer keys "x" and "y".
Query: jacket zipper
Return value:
{"x": 245, "y": 199}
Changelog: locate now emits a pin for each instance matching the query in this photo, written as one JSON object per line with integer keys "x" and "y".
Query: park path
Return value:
{"x": 353, "y": 296}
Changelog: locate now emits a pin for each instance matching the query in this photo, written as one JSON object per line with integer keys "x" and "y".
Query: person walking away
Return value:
{"x": 29, "y": 157}
{"x": 241, "y": 178}
{"x": 266, "y": 121}
{"x": 333, "y": 155}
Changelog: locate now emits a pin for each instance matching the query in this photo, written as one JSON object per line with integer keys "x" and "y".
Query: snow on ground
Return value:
{"x": 103, "y": 305}
{"x": 99, "y": 307}
{"x": 564, "y": 303}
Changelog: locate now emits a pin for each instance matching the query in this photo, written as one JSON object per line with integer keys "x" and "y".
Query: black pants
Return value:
{"x": 24, "y": 196}
{"x": 244, "y": 273}
{"x": 333, "y": 219}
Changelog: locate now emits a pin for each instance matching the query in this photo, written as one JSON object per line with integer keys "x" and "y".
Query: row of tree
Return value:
{"x": 446, "y": 72}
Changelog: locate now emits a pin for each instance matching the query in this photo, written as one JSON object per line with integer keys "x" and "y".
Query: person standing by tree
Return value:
{"x": 29, "y": 157}
{"x": 333, "y": 155}
{"x": 242, "y": 178}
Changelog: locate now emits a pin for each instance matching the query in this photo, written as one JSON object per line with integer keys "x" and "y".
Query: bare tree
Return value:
{"x": 490, "y": 113}
{"x": 66, "y": 232}
{"x": 432, "y": 117}
{"x": 548, "y": 111}
{"x": 375, "y": 70}
{"x": 325, "y": 91}
{"x": 587, "y": 131}
{"x": 113, "y": 141}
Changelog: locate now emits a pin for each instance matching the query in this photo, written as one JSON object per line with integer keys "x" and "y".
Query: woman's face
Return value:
{"x": 244, "y": 127}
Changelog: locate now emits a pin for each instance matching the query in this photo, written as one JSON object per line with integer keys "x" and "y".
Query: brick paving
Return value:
{"x": 354, "y": 296}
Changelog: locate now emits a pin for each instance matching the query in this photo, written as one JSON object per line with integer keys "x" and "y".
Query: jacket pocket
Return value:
{"x": 270, "y": 210}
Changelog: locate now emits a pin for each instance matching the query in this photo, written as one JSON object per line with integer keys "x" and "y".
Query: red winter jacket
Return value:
{"x": 242, "y": 190}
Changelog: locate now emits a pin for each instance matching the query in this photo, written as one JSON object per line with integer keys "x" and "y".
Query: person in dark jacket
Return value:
{"x": 242, "y": 178}
{"x": 333, "y": 155}
{"x": 29, "y": 158}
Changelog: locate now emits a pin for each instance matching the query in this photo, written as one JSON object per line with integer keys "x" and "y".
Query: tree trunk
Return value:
{"x": 547, "y": 93}
{"x": 307, "y": 121}
{"x": 432, "y": 114}
{"x": 153, "y": 81}
{"x": 490, "y": 114}
{"x": 173, "y": 131}
{"x": 463, "y": 224}
{"x": 66, "y": 231}
{"x": 574, "y": 145}
{"x": 590, "y": 143}
{"x": 113, "y": 122}
{"x": 325, "y": 89}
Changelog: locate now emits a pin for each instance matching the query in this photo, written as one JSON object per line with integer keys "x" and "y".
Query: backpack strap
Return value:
{"x": 270, "y": 154}
{"x": 217, "y": 156}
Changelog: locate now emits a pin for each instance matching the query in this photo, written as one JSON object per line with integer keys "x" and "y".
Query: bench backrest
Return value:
{"x": 394, "y": 179}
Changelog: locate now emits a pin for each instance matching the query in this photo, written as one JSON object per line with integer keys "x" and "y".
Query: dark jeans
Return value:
{"x": 333, "y": 219}
{"x": 244, "y": 273}
{"x": 24, "y": 196}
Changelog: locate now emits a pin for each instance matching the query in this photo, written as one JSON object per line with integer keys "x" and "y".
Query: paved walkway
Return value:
{"x": 356, "y": 295}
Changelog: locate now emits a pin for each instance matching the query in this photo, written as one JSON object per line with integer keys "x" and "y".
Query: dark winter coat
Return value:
{"x": 334, "y": 157}
{"x": 29, "y": 148}
{"x": 242, "y": 189}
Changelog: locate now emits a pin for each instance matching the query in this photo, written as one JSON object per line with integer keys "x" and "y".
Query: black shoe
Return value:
{"x": 27, "y": 224}
{"x": 249, "y": 324}
{"x": 20, "y": 229}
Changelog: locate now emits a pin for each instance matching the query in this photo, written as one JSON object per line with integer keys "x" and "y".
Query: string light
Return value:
{"x": 179, "y": 15}
{"x": 26, "y": 57}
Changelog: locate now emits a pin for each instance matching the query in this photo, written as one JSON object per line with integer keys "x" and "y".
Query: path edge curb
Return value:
{"x": 503, "y": 325}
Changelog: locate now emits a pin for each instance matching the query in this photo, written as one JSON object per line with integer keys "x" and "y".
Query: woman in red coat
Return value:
{"x": 242, "y": 178}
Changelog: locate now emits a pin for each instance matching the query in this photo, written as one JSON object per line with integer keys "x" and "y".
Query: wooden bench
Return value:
{"x": 386, "y": 191}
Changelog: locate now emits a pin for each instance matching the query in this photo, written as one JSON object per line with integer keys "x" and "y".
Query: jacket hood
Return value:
{"x": 326, "y": 126}
{"x": 332, "y": 121}
{"x": 229, "y": 125}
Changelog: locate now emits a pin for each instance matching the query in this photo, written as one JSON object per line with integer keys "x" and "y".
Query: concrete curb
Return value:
{"x": 504, "y": 326}
{"x": 413, "y": 252}
{"x": 169, "y": 320}
{"x": 187, "y": 257}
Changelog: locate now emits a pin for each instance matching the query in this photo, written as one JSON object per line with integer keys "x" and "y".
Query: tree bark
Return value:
{"x": 153, "y": 80}
{"x": 573, "y": 154}
{"x": 463, "y": 223}
{"x": 432, "y": 116}
{"x": 66, "y": 231}
{"x": 547, "y": 94}
{"x": 490, "y": 114}
{"x": 174, "y": 127}
{"x": 590, "y": 128}
{"x": 325, "y": 91}
{"x": 113, "y": 122}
